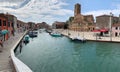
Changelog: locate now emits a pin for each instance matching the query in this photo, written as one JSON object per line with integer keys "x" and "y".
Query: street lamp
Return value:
{"x": 110, "y": 26}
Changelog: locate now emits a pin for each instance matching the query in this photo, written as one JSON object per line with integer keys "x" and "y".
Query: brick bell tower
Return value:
{"x": 77, "y": 9}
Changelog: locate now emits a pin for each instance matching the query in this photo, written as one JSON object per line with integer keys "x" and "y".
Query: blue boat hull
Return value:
{"x": 54, "y": 35}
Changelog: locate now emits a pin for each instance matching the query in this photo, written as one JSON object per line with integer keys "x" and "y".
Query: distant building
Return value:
{"x": 103, "y": 21}
{"x": 21, "y": 26}
{"x": 12, "y": 20}
{"x": 44, "y": 25}
{"x": 37, "y": 26}
{"x": 58, "y": 25}
{"x": 31, "y": 25}
{"x": 81, "y": 22}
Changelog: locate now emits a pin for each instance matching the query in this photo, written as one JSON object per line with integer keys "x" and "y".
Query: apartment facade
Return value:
{"x": 3, "y": 26}
{"x": 103, "y": 21}
{"x": 116, "y": 30}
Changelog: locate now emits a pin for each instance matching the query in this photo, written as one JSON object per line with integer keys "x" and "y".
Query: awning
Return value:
{"x": 96, "y": 30}
{"x": 103, "y": 30}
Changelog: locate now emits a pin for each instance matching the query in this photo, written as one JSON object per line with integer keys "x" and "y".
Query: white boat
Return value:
{"x": 33, "y": 33}
{"x": 54, "y": 34}
{"x": 78, "y": 38}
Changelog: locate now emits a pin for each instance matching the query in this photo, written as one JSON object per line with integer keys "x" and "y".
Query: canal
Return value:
{"x": 50, "y": 54}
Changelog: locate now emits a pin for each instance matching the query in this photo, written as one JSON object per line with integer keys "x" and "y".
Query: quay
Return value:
{"x": 90, "y": 36}
{"x": 5, "y": 59}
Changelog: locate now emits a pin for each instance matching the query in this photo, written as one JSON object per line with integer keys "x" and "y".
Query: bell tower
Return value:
{"x": 77, "y": 9}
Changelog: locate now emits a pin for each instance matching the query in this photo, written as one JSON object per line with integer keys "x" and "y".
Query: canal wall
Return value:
{"x": 19, "y": 65}
{"x": 89, "y": 36}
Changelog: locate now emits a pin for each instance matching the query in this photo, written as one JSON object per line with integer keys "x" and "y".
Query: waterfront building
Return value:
{"x": 4, "y": 25}
{"x": 116, "y": 30}
{"x": 58, "y": 25}
{"x": 44, "y": 25}
{"x": 10, "y": 28}
{"x": 12, "y": 23}
{"x": 21, "y": 26}
{"x": 37, "y": 26}
{"x": 81, "y": 22}
{"x": 103, "y": 21}
{"x": 31, "y": 25}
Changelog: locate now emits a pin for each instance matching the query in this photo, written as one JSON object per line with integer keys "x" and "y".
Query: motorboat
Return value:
{"x": 48, "y": 31}
{"x": 26, "y": 39}
{"x": 78, "y": 38}
{"x": 55, "y": 34}
{"x": 33, "y": 33}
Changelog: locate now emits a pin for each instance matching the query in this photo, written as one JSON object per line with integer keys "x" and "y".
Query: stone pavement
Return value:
{"x": 5, "y": 60}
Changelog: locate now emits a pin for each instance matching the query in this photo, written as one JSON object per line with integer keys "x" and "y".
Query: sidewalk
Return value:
{"x": 5, "y": 60}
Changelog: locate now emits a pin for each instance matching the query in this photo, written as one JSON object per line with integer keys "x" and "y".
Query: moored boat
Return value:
{"x": 33, "y": 33}
{"x": 56, "y": 34}
{"x": 78, "y": 38}
{"x": 26, "y": 39}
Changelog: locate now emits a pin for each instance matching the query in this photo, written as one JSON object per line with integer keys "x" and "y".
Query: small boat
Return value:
{"x": 80, "y": 39}
{"x": 33, "y": 33}
{"x": 48, "y": 31}
{"x": 56, "y": 34}
{"x": 26, "y": 39}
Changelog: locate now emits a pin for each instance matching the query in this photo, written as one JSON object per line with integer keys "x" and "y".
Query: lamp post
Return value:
{"x": 110, "y": 26}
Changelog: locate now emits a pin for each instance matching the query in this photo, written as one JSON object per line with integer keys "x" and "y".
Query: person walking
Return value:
{"x": 1, "y": 43}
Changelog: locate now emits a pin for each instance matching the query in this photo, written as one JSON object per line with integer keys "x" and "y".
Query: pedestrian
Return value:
{"x": 20, "y": 46}
{"x": 13, "y": 32}
{"x": 1, "y": 43}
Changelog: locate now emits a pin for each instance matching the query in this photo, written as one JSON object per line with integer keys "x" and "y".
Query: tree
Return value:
{"x": 71, "y": 19}
{"x": 66, "y": 25}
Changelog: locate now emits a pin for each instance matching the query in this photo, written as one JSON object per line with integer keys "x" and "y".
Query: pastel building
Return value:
{"x": 12, "y": 20}
{"x": 4, "y": 25}
{"x": 58, "y": 25}
{"x": 103, "y": 21}
{"x": 21, "y": 26}
{"x": 116, "y": 30}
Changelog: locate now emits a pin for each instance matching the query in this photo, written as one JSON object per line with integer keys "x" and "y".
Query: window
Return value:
{"x": 12, "y": 25}
{"x": 4, "y": 23}
{"x": 0, "y": 22}
{"x": 116, "y": 28}
{"x": 116, "y": 34}
{"x": 8, "y": 24}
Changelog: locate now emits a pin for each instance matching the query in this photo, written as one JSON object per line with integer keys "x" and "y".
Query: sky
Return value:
{"x": 50, "y": 11}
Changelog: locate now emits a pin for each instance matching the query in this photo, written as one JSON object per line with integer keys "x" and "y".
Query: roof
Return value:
{"x": 105, "y": 16}
{"x": 116, "y": 25}
{"x": 3, "y": 15}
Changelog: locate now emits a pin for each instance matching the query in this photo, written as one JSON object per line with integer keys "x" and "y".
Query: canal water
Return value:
{"x": 51, "y": 54}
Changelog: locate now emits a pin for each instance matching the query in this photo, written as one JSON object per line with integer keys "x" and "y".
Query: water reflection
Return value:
{"x": 49, "y": 54}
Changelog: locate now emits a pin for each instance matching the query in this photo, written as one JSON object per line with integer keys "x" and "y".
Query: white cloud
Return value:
{"x": 3, "y": 4}
{"x": 38, "y": 10}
